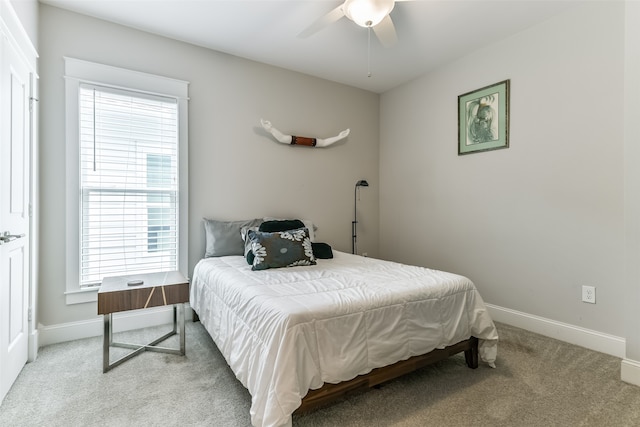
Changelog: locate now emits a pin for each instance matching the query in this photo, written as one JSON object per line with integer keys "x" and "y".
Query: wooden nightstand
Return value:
{"x": 157, "y": 289}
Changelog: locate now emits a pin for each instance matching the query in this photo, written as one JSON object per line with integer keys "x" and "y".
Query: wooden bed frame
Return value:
{"x": 330, "y": 392}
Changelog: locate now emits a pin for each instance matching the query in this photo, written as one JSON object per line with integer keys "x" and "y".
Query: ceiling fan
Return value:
{"x": 372, "y": 14}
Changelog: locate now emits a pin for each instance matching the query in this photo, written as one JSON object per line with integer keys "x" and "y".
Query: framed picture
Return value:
{"x": 483, "y": 119}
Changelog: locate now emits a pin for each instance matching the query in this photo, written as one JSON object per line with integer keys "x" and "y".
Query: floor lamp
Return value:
{"x": 361, "y": 183}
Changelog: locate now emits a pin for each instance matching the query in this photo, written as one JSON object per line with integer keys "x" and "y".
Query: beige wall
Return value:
{"x": 529, "y": 224}
{"x": 27, "y": 12}
{"x": 533, "y": 223}
{"x": 236, "y": 169}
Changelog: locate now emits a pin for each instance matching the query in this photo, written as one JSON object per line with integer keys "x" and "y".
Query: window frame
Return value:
{"x": 79, "y": 72}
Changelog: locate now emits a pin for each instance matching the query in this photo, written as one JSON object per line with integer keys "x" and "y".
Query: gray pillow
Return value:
{"x": 281, "y": 248}
{"x": 224, "y": 238}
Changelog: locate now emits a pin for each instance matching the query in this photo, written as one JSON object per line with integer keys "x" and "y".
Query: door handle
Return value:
{"x": 7, "y": 237}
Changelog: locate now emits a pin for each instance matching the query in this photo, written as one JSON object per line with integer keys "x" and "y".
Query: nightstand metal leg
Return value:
{"x": 106, "y": 342}
{"x": 178, "y": 328}
{"x": 181, "y": 310}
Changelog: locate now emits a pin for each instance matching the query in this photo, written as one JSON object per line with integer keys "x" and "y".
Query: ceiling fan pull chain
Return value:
{"x": 369, "y": 52}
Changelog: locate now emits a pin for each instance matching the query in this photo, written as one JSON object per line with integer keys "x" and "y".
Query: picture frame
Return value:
{"x": 483, "y": 119}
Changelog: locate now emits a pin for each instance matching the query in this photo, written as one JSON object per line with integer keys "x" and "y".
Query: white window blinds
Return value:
{"x": 128, "y": 183}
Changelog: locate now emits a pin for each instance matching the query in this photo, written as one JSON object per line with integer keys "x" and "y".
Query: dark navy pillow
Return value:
{"x": 281, "y": 249}
{"x": 281, "y": 225}
{"x": 322, "y": 250}
{"x": 269, "y": 226}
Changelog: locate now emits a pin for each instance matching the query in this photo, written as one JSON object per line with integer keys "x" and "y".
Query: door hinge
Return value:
{"x": 30, "y": 314}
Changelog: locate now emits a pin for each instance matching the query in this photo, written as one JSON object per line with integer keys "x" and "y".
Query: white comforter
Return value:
{"x": 286, "y": 331}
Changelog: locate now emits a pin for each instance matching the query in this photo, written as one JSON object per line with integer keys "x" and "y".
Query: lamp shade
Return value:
{"x": 367, "y": 13}
{"x": 362, "y": 183}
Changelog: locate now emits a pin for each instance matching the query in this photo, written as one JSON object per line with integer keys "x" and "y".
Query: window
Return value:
{"x": 128, "y": 181}
{"x": 161, "y": 216}
{"x": 126, "y": 154}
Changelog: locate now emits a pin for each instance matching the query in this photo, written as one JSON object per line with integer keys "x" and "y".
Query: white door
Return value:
{"x": 14, "y": 214}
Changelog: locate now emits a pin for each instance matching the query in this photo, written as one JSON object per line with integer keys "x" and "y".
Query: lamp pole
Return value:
{"x": 361, "y": 183}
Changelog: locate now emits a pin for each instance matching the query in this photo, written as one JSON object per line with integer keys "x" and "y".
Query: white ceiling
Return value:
{"x": 430, "y": 32}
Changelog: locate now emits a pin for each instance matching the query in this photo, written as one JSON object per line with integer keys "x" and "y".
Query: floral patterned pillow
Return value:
{"x": 281, "y": 249}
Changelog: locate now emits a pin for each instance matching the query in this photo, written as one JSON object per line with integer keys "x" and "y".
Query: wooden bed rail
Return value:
{"x": 330, "y": 392}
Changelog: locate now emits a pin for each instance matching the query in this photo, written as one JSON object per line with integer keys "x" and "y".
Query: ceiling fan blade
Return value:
{"x": 386, "y": 32}
{"x": 326, "y": 20}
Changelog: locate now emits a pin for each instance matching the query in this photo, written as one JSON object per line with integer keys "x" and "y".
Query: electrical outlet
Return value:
{"x": 589, "y": 294}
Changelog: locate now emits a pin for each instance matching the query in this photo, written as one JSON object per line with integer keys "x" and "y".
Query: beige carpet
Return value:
{"x": 538, "y": 382}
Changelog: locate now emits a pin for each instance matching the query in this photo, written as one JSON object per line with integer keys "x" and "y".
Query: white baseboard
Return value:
{"x": 33, "y": 346}
{"x": 630, "y": 371}
{"x": 587, "y": 338}
{"x": 126, "y": 321}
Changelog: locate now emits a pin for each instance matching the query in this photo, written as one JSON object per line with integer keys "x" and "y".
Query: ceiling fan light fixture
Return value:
{"x": 367, "y": 13}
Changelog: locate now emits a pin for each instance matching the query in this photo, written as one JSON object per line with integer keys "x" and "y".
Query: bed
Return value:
{"x": 296, "y": 337}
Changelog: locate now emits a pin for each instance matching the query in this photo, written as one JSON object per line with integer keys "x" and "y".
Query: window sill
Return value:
{"x": 82, "y": 296}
